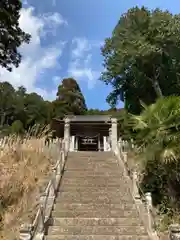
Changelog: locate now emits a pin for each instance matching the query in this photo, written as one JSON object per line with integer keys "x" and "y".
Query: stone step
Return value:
{"x": 89, "y": 184}
{"x": 99, "y": 213}
{"x": 106, "y": 199}
{"x": 97, "y": 230}
{"x": 92, "y": 160}
{"x": 96, "y": 237}
{"x": 97, "y": 194}
{"x": 91, "y": 177}
{"x": 94, "y": 207}
{"x": 102, "y": 200}
{"x": 93, "y": 168}
{"x": 94, "y": 201}
{"x": 95, "y": 173}
{"x": 97, "y": 221}
{"x": 93, "y": 184}
{"x": 93, "y": 180}
{"x": 91, "y": 187}
{"x": 90, "y": 163}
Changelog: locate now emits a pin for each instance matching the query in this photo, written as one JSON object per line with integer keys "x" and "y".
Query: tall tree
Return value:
{"x": 11, "y": 35}
{"x": 36, "y": 109}
{"x": 142, "y": 58}
{"x": 70, "y": 99}
{"x": 19, "y": 109}
{"x": 7, "y": 103}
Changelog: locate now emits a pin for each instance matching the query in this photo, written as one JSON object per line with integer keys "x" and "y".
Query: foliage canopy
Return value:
{"x": 11, "y": 35}
{"x": 142, "y": 57}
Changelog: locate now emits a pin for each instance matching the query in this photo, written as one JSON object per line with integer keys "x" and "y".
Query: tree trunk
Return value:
{"x": 155, "y": 83}
{"x": 2, "y": 119}
{"x": 157, "y": 88}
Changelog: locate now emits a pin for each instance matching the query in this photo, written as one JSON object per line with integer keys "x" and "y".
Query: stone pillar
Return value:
{"x": 99, "y": 143}
{"x": 108, "y": 144}
{"x": 113, "y": 133}
{"x": 72, "y": 144}
{"x": 67, "y": 133}
{"x": 76, "y": 144}
{"x": 110, "y": 138}
{"x": 105, "y": 143}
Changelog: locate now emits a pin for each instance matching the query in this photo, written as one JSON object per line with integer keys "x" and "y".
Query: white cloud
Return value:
{"x": 88, "y": 59}
{"x": 36, "y": 58}
{"x": 45, "y": 94}
{"x": 85, "y": 73}
{"x": 80, "y": 65}
{"x": 54, "y": 18}
{"x": 81, "y": 47}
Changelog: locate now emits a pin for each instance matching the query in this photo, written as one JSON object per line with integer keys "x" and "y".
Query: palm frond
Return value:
{"x": 158, "y": 129}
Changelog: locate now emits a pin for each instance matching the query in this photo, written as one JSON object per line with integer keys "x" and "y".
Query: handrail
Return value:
{"x": 143, "y": 200}
{"x": 36, "y": 230}
{"x": 174, "y": 229}
{"x": 147, "y": 199}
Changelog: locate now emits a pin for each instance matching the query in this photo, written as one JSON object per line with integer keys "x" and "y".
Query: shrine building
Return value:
{"x": 87, "y": 132}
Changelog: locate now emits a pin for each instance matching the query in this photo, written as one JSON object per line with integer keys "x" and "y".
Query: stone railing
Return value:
{"x": 143, "y": 200}
{"x": 174, "y": 232}
{"x": 37, "y": 229}
{"x": 146, "y": 198}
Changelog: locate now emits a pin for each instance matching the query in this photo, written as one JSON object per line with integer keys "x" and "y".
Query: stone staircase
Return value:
{"x": 94, "y": 201}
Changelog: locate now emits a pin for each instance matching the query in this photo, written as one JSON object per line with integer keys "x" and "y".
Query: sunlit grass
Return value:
{"x": 24, "y": 165}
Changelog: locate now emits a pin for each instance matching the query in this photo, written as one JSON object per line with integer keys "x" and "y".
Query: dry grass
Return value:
{"x": 23, "y": 166}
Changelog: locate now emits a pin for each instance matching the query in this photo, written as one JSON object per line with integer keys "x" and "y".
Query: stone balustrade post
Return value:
{"x": 59, "y": 166}
{"x": 125, "y": 156}
{"x": 136, "y": 194}
{"x": 67, "y": 133}
{"x": 25, "y": 232}
{"x": 148, "y": 199}
{"x": 62, "y": 159}
{"x": 42, "y": 203}
{"x": 174, "y": 232}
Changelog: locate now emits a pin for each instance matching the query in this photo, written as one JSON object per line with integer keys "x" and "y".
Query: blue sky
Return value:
{"x": 66, "y": 40}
